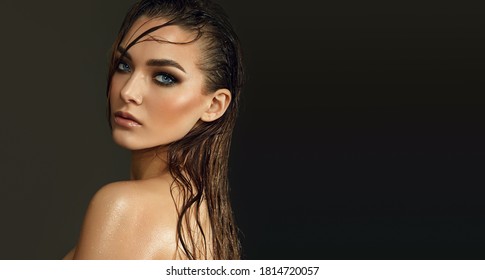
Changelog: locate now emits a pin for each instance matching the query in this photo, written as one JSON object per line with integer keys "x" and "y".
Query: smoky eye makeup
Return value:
{"x": 123, "y": 67}
{"x": 160, "y": 77}
{"x": 164, "y": 79}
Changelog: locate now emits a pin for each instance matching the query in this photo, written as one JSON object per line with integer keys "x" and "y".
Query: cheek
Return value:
{"x": 180, "y": 107}
{"x": 176, "y": 114}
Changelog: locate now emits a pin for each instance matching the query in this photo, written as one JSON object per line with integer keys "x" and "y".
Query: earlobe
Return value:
{"x": 218, "y": 105}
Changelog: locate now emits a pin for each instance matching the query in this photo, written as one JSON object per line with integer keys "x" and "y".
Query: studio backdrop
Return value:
{"x": 361, "y": 133}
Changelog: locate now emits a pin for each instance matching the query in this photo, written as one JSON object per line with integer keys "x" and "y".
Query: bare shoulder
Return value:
{"x": 129, "y": 220}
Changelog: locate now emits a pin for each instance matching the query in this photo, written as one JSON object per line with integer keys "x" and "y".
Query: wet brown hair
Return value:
{"x": 199, "y": 161}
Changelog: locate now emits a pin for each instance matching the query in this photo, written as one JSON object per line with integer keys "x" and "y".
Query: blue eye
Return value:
{"x": 123, "y": 67}
{"x": 165, "y": 79}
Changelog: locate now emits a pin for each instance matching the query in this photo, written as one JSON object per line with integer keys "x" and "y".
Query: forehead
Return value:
{"x": 170, "y": 33}
{"x": 165, "y": 40}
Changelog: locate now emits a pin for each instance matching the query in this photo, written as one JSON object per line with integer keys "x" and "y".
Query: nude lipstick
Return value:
{"x": 125, "y": 119}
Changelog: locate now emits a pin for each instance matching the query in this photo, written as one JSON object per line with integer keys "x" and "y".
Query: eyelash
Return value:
{"x": 166, "y": 75}
{"x": 118, "y": 68}
{"x": 126, "y": 69}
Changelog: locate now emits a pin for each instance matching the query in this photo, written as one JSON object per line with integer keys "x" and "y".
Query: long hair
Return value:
{"x": 199, "y": 161}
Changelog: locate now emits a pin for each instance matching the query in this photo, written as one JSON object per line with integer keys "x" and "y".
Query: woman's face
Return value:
{"x": 157, "y": 92}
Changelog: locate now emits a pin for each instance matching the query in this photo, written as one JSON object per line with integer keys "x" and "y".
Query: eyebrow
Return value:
{"x": 154, "y": 62}
{"x": 165, "y": 62}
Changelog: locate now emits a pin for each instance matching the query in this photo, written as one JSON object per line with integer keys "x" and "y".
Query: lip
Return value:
{"x": 126, "y": 119}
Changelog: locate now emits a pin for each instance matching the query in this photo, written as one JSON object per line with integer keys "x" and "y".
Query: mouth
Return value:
{"x": 126, "y": 119}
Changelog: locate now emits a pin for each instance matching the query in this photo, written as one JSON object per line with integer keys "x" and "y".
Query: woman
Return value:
{"x": 174, "y": 83}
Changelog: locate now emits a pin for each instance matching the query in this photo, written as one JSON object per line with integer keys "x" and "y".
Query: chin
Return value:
{"x": 134, "y": 143}
{"x": 126, "y": 142}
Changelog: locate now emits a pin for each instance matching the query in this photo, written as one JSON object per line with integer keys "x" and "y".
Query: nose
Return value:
{"x": 132, "y": 90}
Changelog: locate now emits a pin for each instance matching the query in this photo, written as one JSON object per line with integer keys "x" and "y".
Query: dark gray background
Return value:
{"x": 361, "y": 134}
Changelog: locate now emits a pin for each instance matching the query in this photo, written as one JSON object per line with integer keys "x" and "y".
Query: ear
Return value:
{"x": 219, "y": 102}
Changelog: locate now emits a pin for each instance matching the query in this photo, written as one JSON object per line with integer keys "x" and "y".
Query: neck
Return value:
{"x": 148, "y": 163}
